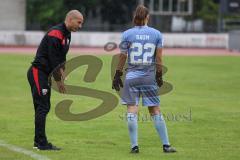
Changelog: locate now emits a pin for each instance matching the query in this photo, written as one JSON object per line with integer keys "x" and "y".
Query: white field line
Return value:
{"x": 22, "y": 151}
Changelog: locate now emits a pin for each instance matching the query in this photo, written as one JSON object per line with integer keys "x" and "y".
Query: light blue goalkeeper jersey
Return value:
{"x": 140, "y": 43}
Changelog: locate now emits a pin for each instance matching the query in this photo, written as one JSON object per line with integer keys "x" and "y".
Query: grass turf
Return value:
{"x": 206, "y": 86}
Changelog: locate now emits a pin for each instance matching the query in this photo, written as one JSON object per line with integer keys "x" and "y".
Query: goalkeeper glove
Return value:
{"x": 117, "y": 82}
{"x": 159, "y": 79}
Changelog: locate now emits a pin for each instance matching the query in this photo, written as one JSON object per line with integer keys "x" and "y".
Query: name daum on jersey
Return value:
{"x": 142, "y": 37}
{"x": 143, "y": 63}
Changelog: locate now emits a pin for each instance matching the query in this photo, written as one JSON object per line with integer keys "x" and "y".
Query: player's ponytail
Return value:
{"x": 140, "y": 15}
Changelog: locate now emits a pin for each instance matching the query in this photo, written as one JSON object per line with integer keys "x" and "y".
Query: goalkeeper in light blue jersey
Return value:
{"x": 142, "y": 46}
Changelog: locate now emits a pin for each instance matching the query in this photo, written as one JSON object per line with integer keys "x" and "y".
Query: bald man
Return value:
{"x": 49, "y": 59}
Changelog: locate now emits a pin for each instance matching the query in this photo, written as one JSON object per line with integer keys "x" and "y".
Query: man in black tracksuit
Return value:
{"x": 51, "y": 54}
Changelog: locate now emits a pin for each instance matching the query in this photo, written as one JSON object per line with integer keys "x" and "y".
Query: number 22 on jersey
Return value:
{"x": 142, "y": 53}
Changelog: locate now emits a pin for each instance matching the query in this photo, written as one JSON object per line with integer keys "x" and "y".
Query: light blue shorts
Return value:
{"x": 144, "y": 87}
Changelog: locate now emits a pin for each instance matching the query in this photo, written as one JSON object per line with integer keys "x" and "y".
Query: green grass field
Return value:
{"x": 208, "y": 86}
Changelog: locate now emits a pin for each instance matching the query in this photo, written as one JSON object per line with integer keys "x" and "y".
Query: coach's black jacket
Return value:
{"x": 52, "y": 50}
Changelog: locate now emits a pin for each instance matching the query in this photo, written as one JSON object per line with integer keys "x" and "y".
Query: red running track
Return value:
{"x": 101, "y": 51}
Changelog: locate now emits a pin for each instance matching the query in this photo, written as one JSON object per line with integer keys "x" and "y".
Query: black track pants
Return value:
{"x": 41, "y": 92}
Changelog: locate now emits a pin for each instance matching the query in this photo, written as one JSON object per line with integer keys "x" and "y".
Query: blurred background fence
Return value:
{"x": 205, "y": 21}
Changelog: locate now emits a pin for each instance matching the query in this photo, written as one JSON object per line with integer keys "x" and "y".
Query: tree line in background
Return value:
{"x": 41, "y": 14}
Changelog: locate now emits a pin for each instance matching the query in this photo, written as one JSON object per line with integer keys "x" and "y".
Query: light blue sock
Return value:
{"x": 132, "y": 128}
{"x": 161, "y": 128}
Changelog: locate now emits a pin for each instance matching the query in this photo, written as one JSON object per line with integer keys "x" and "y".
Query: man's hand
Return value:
{"x": 117, "y": 82}
{"x": 159, "y": 79}
{"x": 63, "y": 77}
{"x": 61, "y": 87}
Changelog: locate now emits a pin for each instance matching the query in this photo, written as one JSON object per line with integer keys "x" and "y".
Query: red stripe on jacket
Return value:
{"x": 56, "y": 33}
{"x": 35, "y": 77}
